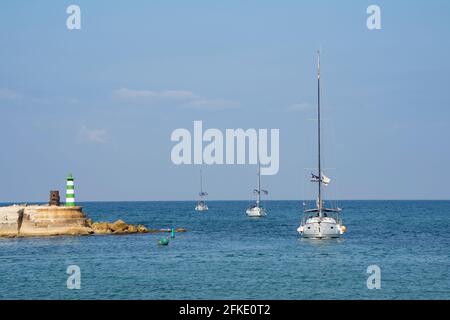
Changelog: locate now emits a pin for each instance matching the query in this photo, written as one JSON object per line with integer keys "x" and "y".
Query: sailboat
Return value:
{"x": 201, "y": 204}
{"x": 257, "y": 210}
{"x": 321, "y": 222}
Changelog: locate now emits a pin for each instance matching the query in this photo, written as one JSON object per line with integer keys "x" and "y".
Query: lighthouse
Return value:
{"x": 70, "y": 192}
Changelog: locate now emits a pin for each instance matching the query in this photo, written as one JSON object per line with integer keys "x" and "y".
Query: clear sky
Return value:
{"x": 101, "y": 102}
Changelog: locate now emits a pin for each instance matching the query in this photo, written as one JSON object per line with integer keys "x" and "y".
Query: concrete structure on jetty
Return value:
{"x": 42, "y": 220}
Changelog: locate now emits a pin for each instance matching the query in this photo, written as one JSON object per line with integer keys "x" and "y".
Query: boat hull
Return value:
{"x": 321, "y": 228}
{"x": 202, "y": 207}
{"x": 256, "y": 212}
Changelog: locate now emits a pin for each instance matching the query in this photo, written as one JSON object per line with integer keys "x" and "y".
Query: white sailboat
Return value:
{"x": 321, "y": 222}
{"x": 257, "y": 210}
{"x": 201, "y": 204}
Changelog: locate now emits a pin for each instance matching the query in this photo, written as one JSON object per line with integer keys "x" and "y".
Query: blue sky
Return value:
{"x": 240, "y": 64}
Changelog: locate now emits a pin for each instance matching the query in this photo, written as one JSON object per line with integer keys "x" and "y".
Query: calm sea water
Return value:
{"x": 226, "y": 255}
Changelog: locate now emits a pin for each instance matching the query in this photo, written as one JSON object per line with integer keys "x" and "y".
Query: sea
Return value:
{"x": 226, "y": 255}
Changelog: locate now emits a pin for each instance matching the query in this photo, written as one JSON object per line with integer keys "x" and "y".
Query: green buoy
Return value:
{"x": 173, "y": 233}
{"x": 163, "y": 242}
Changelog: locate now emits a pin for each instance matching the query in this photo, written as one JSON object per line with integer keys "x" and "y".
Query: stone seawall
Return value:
{"x": 42, "y": 220}
{"x": 46, "y": 220}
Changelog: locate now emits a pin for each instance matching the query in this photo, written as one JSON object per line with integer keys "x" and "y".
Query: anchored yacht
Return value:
{"x": 257, "y": 210}
{"x": 321, "y": 222}
{"x": 201, "y": 204}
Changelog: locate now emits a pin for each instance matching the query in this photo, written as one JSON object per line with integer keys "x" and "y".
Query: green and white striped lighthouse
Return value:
{"x": 70, "y": 192}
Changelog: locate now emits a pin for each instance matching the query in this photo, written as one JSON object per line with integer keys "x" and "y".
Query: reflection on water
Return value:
{"x": 321, "y": 242}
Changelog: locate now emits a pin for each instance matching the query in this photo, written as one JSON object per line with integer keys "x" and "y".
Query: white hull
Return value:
{"x": 256, "y": 212}
{"x": 321, "y": 228}
{"x": 201, "y": 207}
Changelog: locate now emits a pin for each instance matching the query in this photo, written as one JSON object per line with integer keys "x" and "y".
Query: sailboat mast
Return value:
{"x": 319, "y": 205}
{"x": 258, "y": 194}
{"x": 201, "y": 183}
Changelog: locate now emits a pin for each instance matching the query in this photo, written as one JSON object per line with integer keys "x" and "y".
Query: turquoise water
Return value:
{"x": 226, "y": 255}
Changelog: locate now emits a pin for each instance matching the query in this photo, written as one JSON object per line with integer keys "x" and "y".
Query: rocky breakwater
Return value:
{"x": 50, "y": 220}
{"x": 118, "y": 227}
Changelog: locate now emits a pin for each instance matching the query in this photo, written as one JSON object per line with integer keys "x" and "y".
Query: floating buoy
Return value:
{"x": 173, "y": 233}
{"x": 163, "y": 242}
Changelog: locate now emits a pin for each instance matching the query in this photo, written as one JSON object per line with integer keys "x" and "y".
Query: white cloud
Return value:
{"x": 132, "y": 94}
{"x": 212, "y": 104}
{"x": 62, "y": 101}
{"x": 8, "y": 94}
{"x": 182, "y": 98}
{"x": 92, "y": 135}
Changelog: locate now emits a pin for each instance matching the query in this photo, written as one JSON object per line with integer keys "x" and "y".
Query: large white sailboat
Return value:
{"x": 201, "y": 204}
{"x": 257, "y": 210}
{"x": 321, "y": 222}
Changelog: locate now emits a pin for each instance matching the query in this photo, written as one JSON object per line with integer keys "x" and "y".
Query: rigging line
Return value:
{"x": 304, "y": 195}
{"x": 332, "y": 154}
{"x": 335, "y": 154}
{"x": 331, "y": 133}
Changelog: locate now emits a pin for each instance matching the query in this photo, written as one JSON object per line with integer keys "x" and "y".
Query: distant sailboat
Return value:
{"x": 201, "y": 204}
{"x": 257, "y": 210}
{"x": 321, "y": 222}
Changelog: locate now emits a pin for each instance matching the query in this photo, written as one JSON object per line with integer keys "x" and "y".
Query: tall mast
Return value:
{"x": 201, "y": 183}
{"x": 319, "y": 205}
{"x": 258, "y": 194}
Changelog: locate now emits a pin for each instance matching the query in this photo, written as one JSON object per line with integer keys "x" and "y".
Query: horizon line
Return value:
{"x": 223, "y": 200}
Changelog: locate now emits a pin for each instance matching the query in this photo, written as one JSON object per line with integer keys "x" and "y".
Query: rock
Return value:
{"x": 132, "y": 229}
{"x": 101, "y": 227}
{"x": 142, "y": 229}
{"x": 79, "y": 231}
{"x": 119, "y": 226}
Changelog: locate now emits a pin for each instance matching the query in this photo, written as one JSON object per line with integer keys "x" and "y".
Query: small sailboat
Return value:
{"x": 201, "y": 204}
{"x": 257, "y": 210}
{"x": 321, "y": 222}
